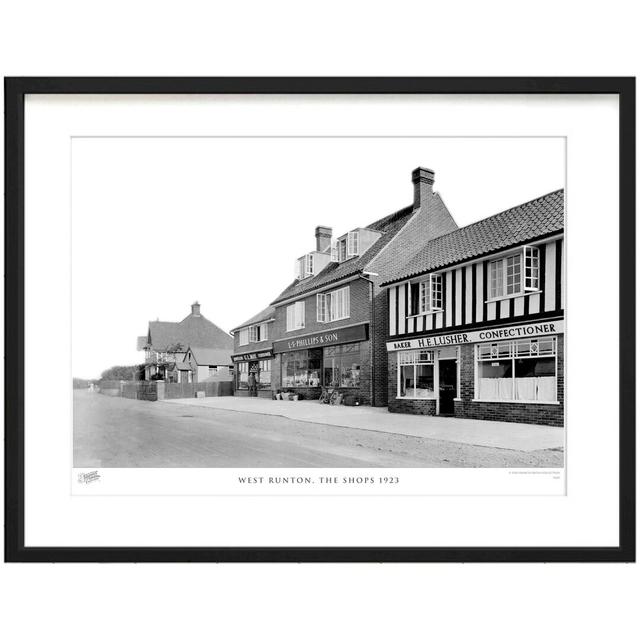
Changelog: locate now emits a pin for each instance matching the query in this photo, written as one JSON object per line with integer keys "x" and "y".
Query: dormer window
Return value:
{"x": 304, "y": 266}
{"x": 425, "y": 296}
{"x": 353, "y": 244}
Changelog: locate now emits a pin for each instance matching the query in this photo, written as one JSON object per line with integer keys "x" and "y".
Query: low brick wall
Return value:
{"x": 417, "y": 406}
{"x": 262, "y": 393}
{"x": 545, "y": 414}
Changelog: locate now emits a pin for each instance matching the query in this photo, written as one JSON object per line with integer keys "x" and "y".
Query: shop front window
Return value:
{"x": 415, "y": 374}
{"x": 264, "y": 370}
{"x": 342, "y": 365}
{"x": 243, "y": 375}
{"x": 302, "y": 368}
{"x": 517, "y": 371}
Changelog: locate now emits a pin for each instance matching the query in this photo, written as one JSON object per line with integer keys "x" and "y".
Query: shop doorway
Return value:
{"x": 448, "y": 385}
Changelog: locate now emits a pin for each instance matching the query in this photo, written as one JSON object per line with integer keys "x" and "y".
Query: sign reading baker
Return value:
{"x": 485, "y": 335}
{"x": 324, "y": 338}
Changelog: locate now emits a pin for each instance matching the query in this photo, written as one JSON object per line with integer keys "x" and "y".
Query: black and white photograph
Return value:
{"x": 318, "y": 302}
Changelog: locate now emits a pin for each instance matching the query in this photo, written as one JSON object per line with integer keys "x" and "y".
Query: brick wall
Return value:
{"x": 252, "y": 346}
{"x": 359, "y": 312}
{"x": 378, "y": 335}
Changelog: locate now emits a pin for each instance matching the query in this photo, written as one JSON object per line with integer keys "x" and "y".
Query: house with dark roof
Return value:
{"x": 168, "y": 344}
{"x": 327, "y": 328}
{"x": 476, "y": 319}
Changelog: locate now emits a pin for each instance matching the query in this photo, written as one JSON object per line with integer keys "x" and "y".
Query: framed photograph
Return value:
{"x": 320, "y": 319}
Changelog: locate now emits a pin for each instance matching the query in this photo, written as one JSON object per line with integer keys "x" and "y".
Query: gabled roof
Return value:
{"x": 528, "y": 221}
{"x": 194, "y": 330}
{"x": 269, "y": 313}
{"x": 205, "y": 356}
{"x": 335, "y": 271}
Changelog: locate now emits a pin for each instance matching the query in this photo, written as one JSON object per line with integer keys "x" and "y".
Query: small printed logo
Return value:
{"x": 90, "y": 476}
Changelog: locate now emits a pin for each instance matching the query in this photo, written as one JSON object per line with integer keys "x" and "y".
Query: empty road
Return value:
{"x": 116, "y": 432}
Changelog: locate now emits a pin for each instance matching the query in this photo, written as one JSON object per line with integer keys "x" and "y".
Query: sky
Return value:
{"x": 158, "y": 223}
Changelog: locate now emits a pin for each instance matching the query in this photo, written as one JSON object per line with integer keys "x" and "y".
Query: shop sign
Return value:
{"x": 323, "y": 338}
{"x": 485, "y": 335}
{"x": 254, "y": 355}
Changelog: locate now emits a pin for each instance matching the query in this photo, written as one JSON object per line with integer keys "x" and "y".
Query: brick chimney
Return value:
{"x": 195, "y": 308}
{"x": 323, "y": 238}
{"x": 422, "y": 185}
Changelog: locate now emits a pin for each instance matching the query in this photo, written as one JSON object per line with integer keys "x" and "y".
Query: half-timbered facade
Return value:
{"x": 476, "y": 320}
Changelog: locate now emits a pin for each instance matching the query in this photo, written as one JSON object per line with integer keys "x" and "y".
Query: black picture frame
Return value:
{"x": 15, "y": 91}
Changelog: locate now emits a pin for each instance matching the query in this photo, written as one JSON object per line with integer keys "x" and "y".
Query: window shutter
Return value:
{"x": 531, "y": 271}
{"x": 321, "y": 308}
{"x": 308, "y": 265}
{"x": 299, "y": 315}
{"x": 496, "y": 278}
{"x": 436, "y": 292}
{"x": 353, "y": 243}
{"x": 334, "y": 251}
{"x": 290, "y": 317}
{"x": 414, "y": 298}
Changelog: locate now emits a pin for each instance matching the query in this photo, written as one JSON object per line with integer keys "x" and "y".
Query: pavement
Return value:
{"x": 487, "y": 433}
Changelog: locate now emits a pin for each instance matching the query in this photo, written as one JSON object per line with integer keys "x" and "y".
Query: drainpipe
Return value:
{"x": 372, "y": 320}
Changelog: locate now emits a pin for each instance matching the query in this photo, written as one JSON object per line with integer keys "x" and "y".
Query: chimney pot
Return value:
{"x": 323, "y": 238}
{"x": 195, "y": 308}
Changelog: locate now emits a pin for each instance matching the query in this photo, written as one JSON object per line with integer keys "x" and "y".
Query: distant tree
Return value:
{"x": 122, "y": 372}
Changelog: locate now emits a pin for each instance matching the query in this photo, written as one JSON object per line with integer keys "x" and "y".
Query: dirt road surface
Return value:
{"x": 116, "y": 432}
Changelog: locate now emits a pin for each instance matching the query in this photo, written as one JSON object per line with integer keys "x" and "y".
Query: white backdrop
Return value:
{"x": 415, "y": 38}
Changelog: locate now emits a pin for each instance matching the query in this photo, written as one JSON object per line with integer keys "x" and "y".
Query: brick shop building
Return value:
{"x": 476, "y": 320}
{"x": 330, "y": 324}
{"x": 253, "y": 354}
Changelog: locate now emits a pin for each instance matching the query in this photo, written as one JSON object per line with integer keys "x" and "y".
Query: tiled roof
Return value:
{"x": 265, "y": 314}
{"x": 527, "y": 221}
{"x": 194, "y": 330}
{"x": 335, "y": 271}
{"x": 204, "y": 356}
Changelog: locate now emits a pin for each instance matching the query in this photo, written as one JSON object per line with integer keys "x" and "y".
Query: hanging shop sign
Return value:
{"x": 485, "y": 335}
{"x": 356, "y": 333}
{"x": 254, "y": 355}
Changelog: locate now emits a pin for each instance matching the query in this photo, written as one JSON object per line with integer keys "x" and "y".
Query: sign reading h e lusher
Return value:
{"x": 485, "y": 335}
{"x": 324, "y": 338}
